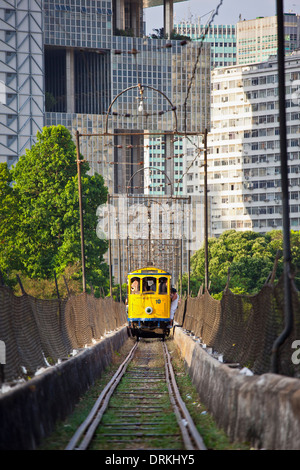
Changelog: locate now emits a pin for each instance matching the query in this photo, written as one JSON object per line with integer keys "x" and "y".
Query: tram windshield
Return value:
{"x": 149, "y": 285}
{"x": 135, "y": 285}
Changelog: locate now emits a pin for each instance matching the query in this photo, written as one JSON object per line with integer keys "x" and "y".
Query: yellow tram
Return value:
{"x": 149, "y": 302}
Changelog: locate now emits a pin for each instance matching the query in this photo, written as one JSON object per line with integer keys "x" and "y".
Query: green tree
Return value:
{"x": 249, "y": 255}
{"x": 8, "y": 219}
{"x": 195, "y": 285}
{"x": 276, "y": 241}
{"x": 160, "y": 34}
{"x": 46, "y": 190}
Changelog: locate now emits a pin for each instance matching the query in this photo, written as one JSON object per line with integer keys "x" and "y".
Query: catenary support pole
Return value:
{"x": 288, "y": 308}
{"x": 109, "y": 247}
{"x": 205, "y": 211}
{"x": 79, "y": 161}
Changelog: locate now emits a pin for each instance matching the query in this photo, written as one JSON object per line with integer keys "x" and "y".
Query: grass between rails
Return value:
{"x": 214, "y": 438}
{"x": 152, "y": 428}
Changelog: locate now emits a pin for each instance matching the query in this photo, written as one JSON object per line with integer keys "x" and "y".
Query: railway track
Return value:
{"x": 140, "y": 408}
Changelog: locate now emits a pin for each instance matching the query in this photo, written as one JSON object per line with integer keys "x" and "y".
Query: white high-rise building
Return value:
{"x": 244, "y": 147}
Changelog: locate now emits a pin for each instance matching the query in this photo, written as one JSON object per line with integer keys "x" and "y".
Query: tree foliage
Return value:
{"x": 160, "y": 34}
{"x": 250, "y": 256}
{"x": 8, "y": 217}
{"x": 40, "y": 225}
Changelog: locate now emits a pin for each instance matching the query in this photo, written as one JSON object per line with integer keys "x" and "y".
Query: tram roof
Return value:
{"x": 149, "y": 270}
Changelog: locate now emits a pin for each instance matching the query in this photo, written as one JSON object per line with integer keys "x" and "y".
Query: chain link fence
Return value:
{"x": 243, "y": 328}
{"x": 38, "y": 333}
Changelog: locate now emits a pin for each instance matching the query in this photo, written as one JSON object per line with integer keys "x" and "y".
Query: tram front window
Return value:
{"x": 149, "y": 285}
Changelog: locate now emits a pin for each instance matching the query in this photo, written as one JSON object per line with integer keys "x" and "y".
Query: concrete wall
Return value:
{"x": 29, "y": 412}
{"x": 261, "y": 409}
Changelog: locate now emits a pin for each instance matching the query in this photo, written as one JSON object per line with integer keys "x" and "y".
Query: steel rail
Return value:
{"x": 92, "y": 421}
{"x": 190, "y": 434}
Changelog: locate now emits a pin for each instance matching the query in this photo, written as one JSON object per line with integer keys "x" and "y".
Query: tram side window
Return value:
{"x": 149, "y": 284}
{"x": 163, "y": 287}
{"x": 135, "y": 285}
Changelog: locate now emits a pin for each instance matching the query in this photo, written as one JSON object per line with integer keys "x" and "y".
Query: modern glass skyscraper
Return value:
{"x": 222, "y": 39}
{"x": 21, "y": 77}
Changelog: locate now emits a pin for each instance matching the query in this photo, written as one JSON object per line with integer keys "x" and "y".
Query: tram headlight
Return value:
{"x": 149, "y": 310}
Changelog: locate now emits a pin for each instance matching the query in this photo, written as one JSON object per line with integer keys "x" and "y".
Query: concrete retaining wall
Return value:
{"x": 29, "y": 412}
{"x": 261, "y": 409}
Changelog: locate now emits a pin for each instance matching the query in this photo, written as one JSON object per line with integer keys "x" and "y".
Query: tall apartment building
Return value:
{"x": 257, "y": 38}
{"x": 244, "y": 147}
{"x": 243, "y": 144}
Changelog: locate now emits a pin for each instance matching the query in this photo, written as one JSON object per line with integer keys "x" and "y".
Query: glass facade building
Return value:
{"x": 84, "y": 54}
{"x": 222, "y": 40}
{"x": 89, "y": 61}
{"x": 21, "y": 77}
